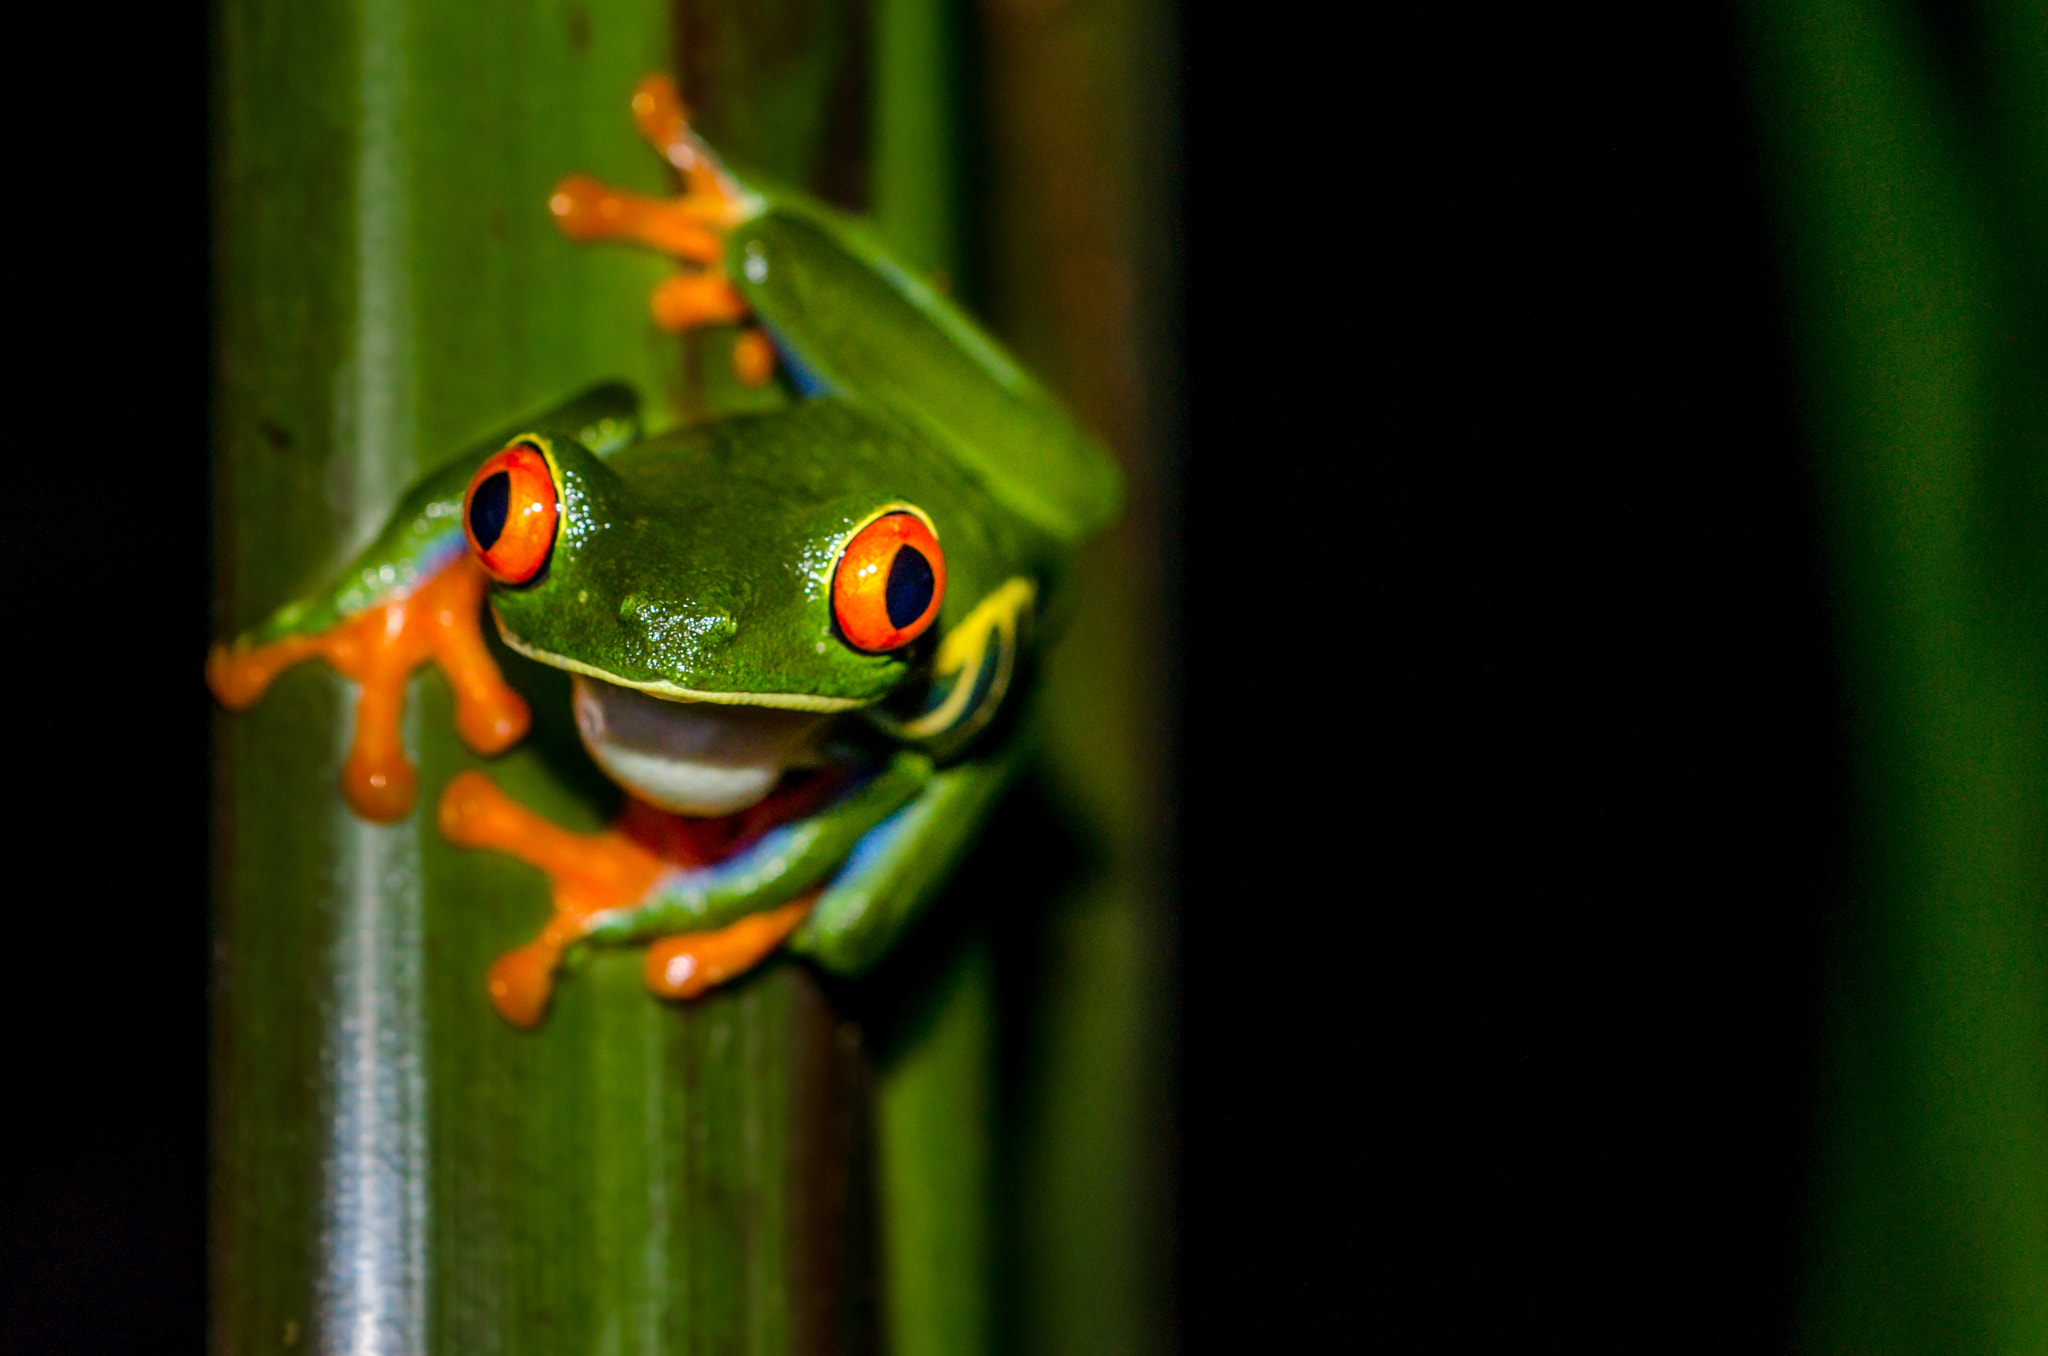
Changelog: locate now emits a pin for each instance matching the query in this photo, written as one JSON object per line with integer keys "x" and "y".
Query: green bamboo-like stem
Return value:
{"x": 395, "y": 1169}
{"x": 1916, "y": 214}
{"x": 1078, "y": 102}
{"x": 935, "y": 1097}
{"x": 1069, "y": 102}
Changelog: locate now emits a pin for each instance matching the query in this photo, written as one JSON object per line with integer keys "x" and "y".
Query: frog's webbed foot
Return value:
{"x": 595, "y": 874}
{"x": 588, "y": 873}
{"x": 379, "y": 647}
{"x": 690, "y": 229}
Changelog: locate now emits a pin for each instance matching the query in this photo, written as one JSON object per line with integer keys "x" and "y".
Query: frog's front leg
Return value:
{"x": 414, "y": 594}
{"x": 719, "y": 894}
{"x": 588, "y": 873}
{"x": 379, "y": 647}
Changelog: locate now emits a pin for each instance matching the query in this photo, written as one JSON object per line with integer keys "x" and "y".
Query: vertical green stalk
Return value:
{"x": 914, "y": 183}
{"x": 1916, "y": 230}
{"x": 1078, "y": 102}
{"x": 395, "y": 1169}
{"x": 935, "y": 1097}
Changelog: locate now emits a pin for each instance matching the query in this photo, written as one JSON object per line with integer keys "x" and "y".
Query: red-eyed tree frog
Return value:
{"x": 795, "y": 636}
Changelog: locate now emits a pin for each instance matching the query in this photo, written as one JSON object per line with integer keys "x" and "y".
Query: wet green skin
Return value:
{"x": 699, "y": 563}
{"x": 703, "y": 559}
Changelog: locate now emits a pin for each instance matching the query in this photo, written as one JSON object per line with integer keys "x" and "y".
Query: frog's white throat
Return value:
{"x": 692, "y": 758}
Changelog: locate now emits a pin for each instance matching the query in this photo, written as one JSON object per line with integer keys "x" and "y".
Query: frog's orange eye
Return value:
{"x": 510, "y": 513}
{"x": 890, "y": 581}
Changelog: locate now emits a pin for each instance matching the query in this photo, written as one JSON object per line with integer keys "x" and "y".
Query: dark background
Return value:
{"x": 1507, "y": 793}
{"x": 1508, "y": 692}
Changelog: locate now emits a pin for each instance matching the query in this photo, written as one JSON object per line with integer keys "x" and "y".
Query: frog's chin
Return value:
{"x": 692, "y": 758}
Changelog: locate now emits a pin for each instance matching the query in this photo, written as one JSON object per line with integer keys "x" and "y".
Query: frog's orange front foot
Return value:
{"x": 590, "y": 873}
{"x": 690, "y": 228}
{"x": 379, "y": 648}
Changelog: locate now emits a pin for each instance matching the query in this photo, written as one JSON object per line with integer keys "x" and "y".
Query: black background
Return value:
{"x": 1505, "y": 689}
{"x": 1499, "y": 535}
{"x": 103, "y": 550}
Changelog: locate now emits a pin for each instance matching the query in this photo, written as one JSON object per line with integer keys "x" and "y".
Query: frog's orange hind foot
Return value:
{"x": 753, "y": 358}
{"x": 690, "y": 229}
{"x": 690, "y": 963}
{"x": 587, "y": 211}
{"x": 689, "y": 301}
{"x": 379, "y": 648}
{"x": 665, "y": 125}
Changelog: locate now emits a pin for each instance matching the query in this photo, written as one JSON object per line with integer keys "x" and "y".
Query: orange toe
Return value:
{"x": 688, "y": 964}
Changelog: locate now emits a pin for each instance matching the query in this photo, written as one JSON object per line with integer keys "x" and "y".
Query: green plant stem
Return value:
{"x": 935, "y": 1098}
{"x": 1916, "y": 248}
{"x": 395, "y": 1169}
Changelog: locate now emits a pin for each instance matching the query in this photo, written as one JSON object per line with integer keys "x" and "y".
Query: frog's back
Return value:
{"x": 852, "y": 321}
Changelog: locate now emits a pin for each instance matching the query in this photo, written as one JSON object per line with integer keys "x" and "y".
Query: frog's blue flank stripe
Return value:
{"x": 387, "y": 582}
{"x": 875, "y": 847}
{"x": 808, "y": 383}
{"x": 700, "y": 896}
{"x": 760, "y": 862}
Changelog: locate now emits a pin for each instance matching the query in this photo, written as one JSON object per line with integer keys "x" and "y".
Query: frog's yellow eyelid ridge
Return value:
{"x": 995, "y": 620}
{"x": 894, "y": 506}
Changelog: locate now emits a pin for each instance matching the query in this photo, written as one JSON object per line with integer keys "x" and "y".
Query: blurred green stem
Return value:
{"x": 1910, "y": 145}
{"x": 935, "y": 1099}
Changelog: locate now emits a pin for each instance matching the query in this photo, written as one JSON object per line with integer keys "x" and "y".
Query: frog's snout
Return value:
{"x": 692, "y": 758}
{"x": 670, "y": 630}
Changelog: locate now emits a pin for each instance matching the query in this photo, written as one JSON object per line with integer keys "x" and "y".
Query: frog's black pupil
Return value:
{"x": 488, "y": 508}
{"x": 909, "y": 590}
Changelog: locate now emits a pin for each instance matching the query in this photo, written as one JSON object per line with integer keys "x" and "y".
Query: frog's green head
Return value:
{"x": 751, "y": 581}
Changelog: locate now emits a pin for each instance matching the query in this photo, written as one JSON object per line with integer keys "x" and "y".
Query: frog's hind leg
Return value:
{"x": 659, "y": 114}
{"x": 900, "y": 864}
{"x": 588, "y": 211}
{"x": 690, "y": 229}
{"x": 690, "y": 300}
